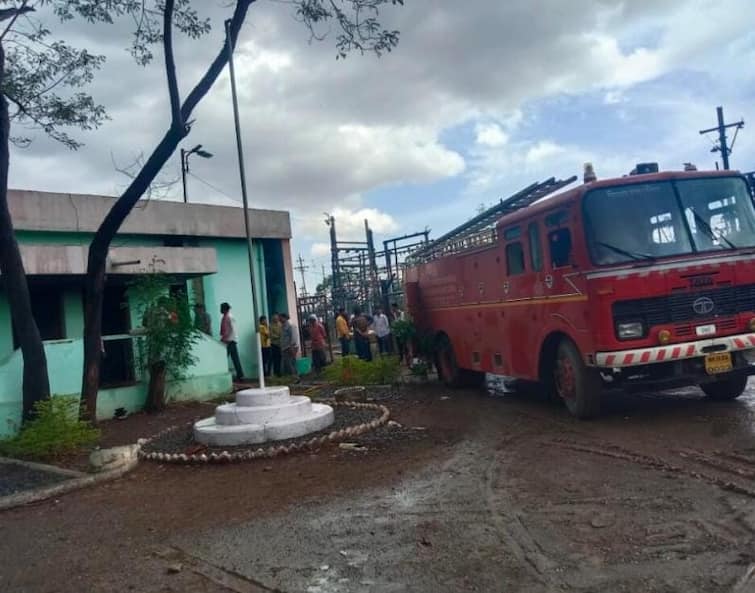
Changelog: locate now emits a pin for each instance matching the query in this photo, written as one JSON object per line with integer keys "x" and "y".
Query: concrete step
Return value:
{"x": 207, "y": 431}
{"x": 290, "y": 407}
{"x": 262, "y": 397}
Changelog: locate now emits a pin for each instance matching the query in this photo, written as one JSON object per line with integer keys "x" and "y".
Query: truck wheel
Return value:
{"x": 724, "y": 389}
{"x": 445, "y": 361}
{"x": 578, "y": 385}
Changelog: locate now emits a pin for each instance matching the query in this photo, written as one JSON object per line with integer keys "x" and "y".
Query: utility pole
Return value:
{"x": 244, "y": 200}
{"x": 721, "y": 128}
{"x": 302, "y": 268}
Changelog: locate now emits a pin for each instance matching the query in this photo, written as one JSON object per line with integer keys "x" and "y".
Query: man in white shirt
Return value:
{"x": 289, "y": 346}
{"x": 383, "y": 331}
{"x": 229, "y": 337}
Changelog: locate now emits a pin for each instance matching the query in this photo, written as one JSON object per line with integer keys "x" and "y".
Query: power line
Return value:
{"x": 211, "y": 186}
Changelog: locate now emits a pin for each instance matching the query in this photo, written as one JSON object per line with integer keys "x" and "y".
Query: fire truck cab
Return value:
{"x": 642, "y": 282}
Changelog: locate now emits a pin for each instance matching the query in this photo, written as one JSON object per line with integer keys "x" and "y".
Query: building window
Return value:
{"x": 514, "y": 259}
{"x": 47, "y": 309}
{"x": 536, "y": 251}
{"x": 560, "y": 248}
{"x": 117, "y": 364}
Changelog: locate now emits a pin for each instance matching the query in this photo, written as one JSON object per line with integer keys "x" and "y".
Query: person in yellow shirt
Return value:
{"x": 267, "y": 354}
{"x": 344, "y": 334}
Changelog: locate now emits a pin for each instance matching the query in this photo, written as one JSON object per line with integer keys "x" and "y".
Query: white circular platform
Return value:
{"x": 261, "y": 415}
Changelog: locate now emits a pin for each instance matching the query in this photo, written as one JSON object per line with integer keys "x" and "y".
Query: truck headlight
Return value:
{"x": 630, "y": 329}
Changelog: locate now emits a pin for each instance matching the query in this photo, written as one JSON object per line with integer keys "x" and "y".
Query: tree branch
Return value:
{"x": 120, "y": 210}
{"x": 23, "y": 9}
{"x": 209, "y": 78}
{"x": 170, "y": 65}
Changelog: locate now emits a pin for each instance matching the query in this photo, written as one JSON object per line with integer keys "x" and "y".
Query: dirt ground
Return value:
{"x": 492, "y": 494}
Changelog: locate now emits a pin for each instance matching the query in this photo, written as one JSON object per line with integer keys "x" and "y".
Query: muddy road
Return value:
{"x": 494, "y": 494}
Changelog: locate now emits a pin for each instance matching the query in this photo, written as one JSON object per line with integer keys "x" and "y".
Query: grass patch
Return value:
{"x": 351, "y": 370}
{"x": 55, "y": 431}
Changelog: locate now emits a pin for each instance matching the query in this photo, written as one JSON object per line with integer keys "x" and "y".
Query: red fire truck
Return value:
{"x": 644, "y": 281}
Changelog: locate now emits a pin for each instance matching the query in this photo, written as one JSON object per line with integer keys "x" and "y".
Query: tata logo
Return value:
{"x": 703, "y": 306}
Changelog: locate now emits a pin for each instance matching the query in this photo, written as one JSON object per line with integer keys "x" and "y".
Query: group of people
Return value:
{"x": 279, "y": 338}
{"x": 358, "y": 328}
{"x": 280, "y": 345}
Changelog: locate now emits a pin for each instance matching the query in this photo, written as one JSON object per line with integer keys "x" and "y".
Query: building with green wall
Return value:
{"x": 201, "y": 247}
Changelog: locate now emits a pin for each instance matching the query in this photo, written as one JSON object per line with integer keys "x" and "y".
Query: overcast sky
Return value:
{"x": 480, "y": 98}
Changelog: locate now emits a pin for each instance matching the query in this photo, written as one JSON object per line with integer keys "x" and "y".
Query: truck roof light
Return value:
{"x": 589, "y": 175}
{"x": 644, "y": 169}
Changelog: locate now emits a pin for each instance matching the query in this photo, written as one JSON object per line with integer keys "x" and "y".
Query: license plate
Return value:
{"x": 719, "y": 362}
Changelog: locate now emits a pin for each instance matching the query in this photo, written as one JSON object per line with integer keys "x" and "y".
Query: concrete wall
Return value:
{"x": 47, "y": 211}
{"x": 52, "y": 259}
{"x": 207, "y": 379}
{"x": 231, "y": 284}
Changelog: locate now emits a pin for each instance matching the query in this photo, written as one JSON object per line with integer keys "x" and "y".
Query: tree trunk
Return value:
{"x": 97, "y": 267}
{"x": 94, "y": 292}
{"x": 36, "y": 385}
{"x": 98, "y": 250}
{"x": 156, "y": 391}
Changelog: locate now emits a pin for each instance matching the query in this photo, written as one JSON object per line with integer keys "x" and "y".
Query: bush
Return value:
{"x": 351, "y": 370}
{"x": 404, "y": 330}
{"x": 55, "y": 430}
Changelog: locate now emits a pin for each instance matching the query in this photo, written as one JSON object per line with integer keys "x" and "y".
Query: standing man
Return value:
{"x": 267, "y": 359}
{"x": 383, "y": 332}
{"x": 344, "y": 334}
{"x": 275, "y": 344}
{"x": 229, "y": 337}
{"x": 318, "y": 338}
{"x": 289, "y": 346}
{"x": 202, "y": 319}
{"x": 398, "y": 315}
{"x": 361, "y": 326}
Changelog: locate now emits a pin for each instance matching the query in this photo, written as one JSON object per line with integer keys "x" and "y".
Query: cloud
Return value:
{"x": 320, "y": 249}
{"x": 490, "y": 134}
{"x": 322, "y": 135}
{"x": 543, "y": 151}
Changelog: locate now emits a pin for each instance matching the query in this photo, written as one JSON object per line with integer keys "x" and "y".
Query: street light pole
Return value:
{"x": 185, "y": 154}
{"x": 245, "y": 201}
{"x": 183, "y": 174}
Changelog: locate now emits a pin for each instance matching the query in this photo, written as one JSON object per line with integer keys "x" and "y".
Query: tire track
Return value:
{"x": 619, "y": 452}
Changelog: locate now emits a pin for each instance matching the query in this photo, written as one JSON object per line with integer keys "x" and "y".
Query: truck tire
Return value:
{"x": 577, "y": 385}
{"x": 728, "y": 388}
{"x": 445, "y": 361}
{"x": 448, "y": 369}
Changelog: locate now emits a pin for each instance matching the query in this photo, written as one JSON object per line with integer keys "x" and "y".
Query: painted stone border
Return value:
{"x": 78, "y": 480}
{"x": 272, "y": 451}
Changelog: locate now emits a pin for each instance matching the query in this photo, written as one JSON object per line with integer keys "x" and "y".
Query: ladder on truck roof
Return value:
{"x": 480, "y": 230}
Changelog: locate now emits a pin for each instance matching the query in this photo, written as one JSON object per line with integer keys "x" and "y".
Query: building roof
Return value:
{"x": 58, "y": 212}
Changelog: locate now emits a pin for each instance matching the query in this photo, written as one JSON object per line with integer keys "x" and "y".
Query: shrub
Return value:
{"x": 55, "y": 430}
{"x": 404, "y": 329}
{"x": 351, "y": 370}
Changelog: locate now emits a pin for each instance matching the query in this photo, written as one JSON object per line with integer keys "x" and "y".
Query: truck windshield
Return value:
{"x": 646, "y": 221}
